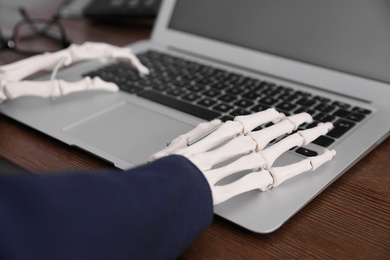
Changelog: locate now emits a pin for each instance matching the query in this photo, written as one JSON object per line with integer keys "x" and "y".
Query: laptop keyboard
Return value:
{"x": 208, "y": 92}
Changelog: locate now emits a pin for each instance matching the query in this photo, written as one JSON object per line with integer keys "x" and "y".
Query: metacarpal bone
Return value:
{"x": 56, "y": 87}
{"x": 225, "y": 132}
{"x": 271, "y": 153}
{"x": 19, "y": 70}
{"x": 254, "y": 180}
{"x": 240, "y": 145}
{"x": 281, "y": 174}
{"x": 266, "y": 135}
{"x": 252, "y": 161}
{"x": 96, "y": 50}
{"x": 250, "y": 122}
{"x": 182, "y": 141}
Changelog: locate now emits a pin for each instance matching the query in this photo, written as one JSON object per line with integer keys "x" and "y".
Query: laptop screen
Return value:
{"x": 351, "y": 36}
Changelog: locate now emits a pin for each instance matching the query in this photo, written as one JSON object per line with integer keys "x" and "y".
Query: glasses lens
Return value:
{"x": 38, "y": 36}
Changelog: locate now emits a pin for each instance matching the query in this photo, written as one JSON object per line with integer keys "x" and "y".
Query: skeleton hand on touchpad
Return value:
{"x": 11, "y": 75}
{"x": 238, "y": 140}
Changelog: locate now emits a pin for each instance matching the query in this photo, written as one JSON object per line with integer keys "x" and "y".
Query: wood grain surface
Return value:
{"x": 349, "y": 220}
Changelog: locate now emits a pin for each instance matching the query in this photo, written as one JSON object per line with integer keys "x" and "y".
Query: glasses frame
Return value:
{"x": 11, "y": 43}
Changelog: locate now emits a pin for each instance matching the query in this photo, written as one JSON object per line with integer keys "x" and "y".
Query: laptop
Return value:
{"x": 219, "y": 58}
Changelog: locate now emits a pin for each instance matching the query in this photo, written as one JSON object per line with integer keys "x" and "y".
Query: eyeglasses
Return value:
{"x": 33, "y": 36}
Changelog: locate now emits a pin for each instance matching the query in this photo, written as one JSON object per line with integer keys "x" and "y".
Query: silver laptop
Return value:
{"x": 330, "y": 58}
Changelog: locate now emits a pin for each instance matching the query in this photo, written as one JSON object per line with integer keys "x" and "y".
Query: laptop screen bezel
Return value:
{"x": 264, "y": 63}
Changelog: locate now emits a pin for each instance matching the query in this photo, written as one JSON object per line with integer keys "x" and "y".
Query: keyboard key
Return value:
{"x": 286, "y": 106}
{"x": 211, "y": 93}
{"x": 226, "y": 118}
{"x": 356, "y": 117}
{"x": 324, "y": 141}
{"x": 306, "y": 152}
{"x": 271, "y": 92}
{"x": 306, "y": 102}
{"x": 341, "y": 104}
{"x": 227, "y": 98}
{"x": 235, "y": 90}
{"x": 239, "y": 112}
{"x": 268, "y": 101}
{"x": 180, "y": 105}
{"x": 217, "y": 85}
{"x": 291, "y": 97}
{"x": 207, "y": 102}
{"x": 340, "y": 128}
{"x": 312, "y": 112}
{"x": 326, "y": 108}
{"x": 259, "y": 108}
{"x": 267, "y": 85}
{"x": 324, "y": 117}
{"x": 303, "y": 93}
{"x": 312, "y": 124}
{"x": 159, "y": 86}
{"x": 251, "y": 96}
{"x": 197, "y": 87}
{"x": 361, "y": 110}
{"x": 342, "y": 113}
{"x": 191, "y": 97}
{"x": 321, "y": 99}
{"x": 244, "y": 103}
{"x": 223, "y": 107}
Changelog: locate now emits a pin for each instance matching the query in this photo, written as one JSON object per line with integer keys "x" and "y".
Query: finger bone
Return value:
{"x": 311, "y": 134}
{"x": 317, "y": 161}
{"x": 96, "y": 50}
{"x": 179, "y": 142}
{"x": 281, "y": 174}
{"x": 238, "y": 146}
{"x": 202, "y": 130}
{"x": 225, "y": 132}
{"x": 56, "y": 87}
{"x": 271, "y": 153}
{"x": 19, "y": 70}
{"x": 299, "y": 119}
{"x": 251, "y": 161}
{"x": 264, "y": 136}
{"x": 183, "y": 140}
{"x": 255, "y": 180}
{"x": 32, "y": 88}
{"x": 250, "y": 122}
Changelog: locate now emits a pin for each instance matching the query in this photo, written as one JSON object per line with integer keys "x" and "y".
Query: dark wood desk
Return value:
{"x": 349, "y": 220}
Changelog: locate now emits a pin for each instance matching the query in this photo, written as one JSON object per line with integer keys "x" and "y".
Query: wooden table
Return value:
{"x": 349, "y": 220}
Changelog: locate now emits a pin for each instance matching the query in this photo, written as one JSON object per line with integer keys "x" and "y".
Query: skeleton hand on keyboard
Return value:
{"x": 11, "y": 75}
{"x": 244, "y": 143}
{"x": 249, "y": 147}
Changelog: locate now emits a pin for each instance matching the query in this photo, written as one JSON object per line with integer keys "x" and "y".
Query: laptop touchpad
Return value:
{"x": 128, "y": 131}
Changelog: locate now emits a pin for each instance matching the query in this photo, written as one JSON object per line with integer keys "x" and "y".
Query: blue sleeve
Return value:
{"x": 151, "y": 212}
